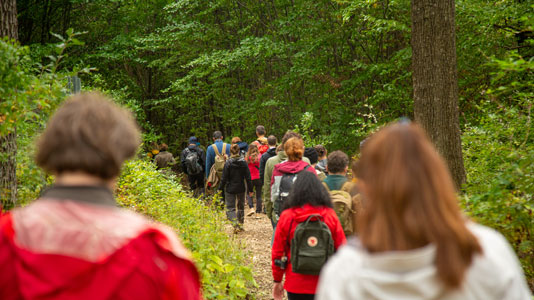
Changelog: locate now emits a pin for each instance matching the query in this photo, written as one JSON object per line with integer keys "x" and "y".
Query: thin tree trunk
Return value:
{"x": 435, "y": 79}
{"x": 8, "y": 142}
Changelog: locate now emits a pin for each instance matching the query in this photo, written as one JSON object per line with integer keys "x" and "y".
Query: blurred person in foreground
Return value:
{"x": 414, "y": 242}
{"x": 74, "y": 242}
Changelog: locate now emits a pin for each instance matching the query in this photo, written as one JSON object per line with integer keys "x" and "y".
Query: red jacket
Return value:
{"x": 300, "y": 283}
{"x": 60, "y": 249}
{"x": 254, "y": 167}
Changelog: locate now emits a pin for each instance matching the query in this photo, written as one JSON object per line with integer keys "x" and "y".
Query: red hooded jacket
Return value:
{"x": 62, "y": 249}
{"x": 300, "y": 283}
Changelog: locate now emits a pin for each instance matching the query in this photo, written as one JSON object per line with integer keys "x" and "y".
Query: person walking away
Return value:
{"x": 215, "y": 149}
{"x": 307, "y": 233}
{"x": 164, "y": 158}
{"x": 261, "y": 141}
{"x": 414, "y": 242}
{"x": 323, "y": 161}
{"x": 271, "y": 141}
{"x": 193, "y": 160}
{"x": 311, "y": 154}
{"x": 343, "y": 192}
{"x": 285, "y": 173}
{"x": 243, "y": 146}
{"x": 235, "y": 174}
{"x": 75, "y": 242}
{"x": 269, "y": 167}
{"x": 253, "y": 160}
{"x": 216, "y": 156}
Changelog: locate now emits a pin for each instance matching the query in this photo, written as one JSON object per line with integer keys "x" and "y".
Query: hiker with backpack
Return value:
{"x": 253, "y": 161}
{"x": 243, "y": 146}
{"x": 414, "y": 241}
{"x": 271, "y": 142}
{"x": 341, "y": 189}
{"x": 234, "y": 177}
{"x": 307, "y": 234}
{"x": 261, "y": 141}
{"x": 164, "y": 158}
{"x": 323, "y": 161}
{"x": 285, "y": 174}
{"x": 216, "y": 156}
{"x": 269, "y": 167}
{"x": 193, "y": 161}
{"x": 312, "y": 155}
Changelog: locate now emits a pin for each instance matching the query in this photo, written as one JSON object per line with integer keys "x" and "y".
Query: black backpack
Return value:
{"x": 287, "y": 181}
{"x": 192, "y": 167}
{"x": 311, "y": 246}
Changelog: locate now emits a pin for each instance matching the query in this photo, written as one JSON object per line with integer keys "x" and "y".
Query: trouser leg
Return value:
{"x": 230, "y": 207}
{"x": 241, "y": 208}
{"x": 257, "y": 186}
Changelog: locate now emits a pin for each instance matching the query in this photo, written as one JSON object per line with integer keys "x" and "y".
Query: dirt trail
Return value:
{"x": 257, "y": 237}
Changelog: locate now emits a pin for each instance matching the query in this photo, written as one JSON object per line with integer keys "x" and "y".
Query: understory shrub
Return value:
{"x": 220, "y": 259}
{"x": 499, "y": 161}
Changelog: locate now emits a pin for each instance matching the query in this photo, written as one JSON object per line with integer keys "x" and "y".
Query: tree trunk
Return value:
{"x": 8, "y": 142}
{"x": 435, "y": 79}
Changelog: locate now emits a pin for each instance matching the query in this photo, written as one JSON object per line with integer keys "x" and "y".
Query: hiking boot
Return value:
{"x": 238, "y": 229}
{"x": 251, "y": 212}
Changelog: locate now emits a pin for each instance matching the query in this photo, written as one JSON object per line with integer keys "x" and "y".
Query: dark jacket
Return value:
{"x": 234, "y": 175}
{"x": 201, "y": 157}
{"x": 270, "y": 153}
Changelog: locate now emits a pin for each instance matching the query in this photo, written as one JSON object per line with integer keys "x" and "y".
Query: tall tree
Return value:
{"x": 435, "y": 79}
{"x": 8, "y": 142}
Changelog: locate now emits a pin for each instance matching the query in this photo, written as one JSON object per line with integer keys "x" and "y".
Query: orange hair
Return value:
{"x": 410, "y": 201}
{"x": 294, "y": 148}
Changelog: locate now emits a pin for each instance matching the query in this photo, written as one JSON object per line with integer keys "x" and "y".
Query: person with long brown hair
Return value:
{"x": 252, "y": 158}
{"x": 414, "y": 242}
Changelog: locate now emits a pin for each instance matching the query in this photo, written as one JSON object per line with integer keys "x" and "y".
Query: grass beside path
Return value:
{"x": 221, "y": 259}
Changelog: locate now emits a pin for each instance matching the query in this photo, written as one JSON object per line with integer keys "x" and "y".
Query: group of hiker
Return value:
{"x": 392, "y": 231}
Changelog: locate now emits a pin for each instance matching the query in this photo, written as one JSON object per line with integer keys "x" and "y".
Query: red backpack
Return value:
{"x": 261, "y": 147}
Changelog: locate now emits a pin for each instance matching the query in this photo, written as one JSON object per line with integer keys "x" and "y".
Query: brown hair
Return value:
{"x": 290, "y": 134}
{"x": 294, "y": 148}
{"x": 337, "y": 162}
{"x": 235, "y": 140}
{"x": 234, "y": 150}
{"x": 321, "y": 150}
{"x": 163, "y": 147}
{"x": 252, "y": 153}
{"x": 88, "y": 133}
{"x": 411, "y": 201}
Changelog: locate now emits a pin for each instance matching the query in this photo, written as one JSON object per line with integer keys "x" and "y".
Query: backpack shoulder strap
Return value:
{"x": 326, "y": 186}
{"x": 224, "y": 148}
{"x": 214, "y": 146}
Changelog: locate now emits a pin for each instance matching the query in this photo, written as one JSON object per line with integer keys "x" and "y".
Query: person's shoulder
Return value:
{"x": 344, "y": 268}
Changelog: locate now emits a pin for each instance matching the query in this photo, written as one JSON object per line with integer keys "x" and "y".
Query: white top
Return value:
{"x": 353, "y": 273}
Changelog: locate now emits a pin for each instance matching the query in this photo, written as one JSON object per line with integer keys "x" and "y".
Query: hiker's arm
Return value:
{"x": 248, "y": 178}
{"x": 278, "y": 250}
{"x": 338, "y": 235}
{"x": 262, "y": 169}
{"x": 225, "y": 174}
{"x": 209, "y": 160}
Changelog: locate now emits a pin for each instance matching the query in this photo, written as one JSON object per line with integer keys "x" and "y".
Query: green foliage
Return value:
{"x": 499, "y": 161}
{"x": 220, "y": 259}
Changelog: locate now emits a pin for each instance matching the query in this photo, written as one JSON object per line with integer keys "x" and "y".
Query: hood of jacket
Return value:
{"x": 304, "y": 212}
{"x": 291, "y": 166}
{"x": 193, "y": 148}
{"x": 237, "y": 161}
{"x": 243, "y": 146}
{"x": 271, "y": 151}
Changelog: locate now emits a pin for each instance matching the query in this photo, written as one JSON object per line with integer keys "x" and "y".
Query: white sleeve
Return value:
{"x": 333, "y": 280}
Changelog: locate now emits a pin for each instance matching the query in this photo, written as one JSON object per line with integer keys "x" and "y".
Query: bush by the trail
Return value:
{"x": 499, "y": 160}
{"x": 220, "y": 260}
